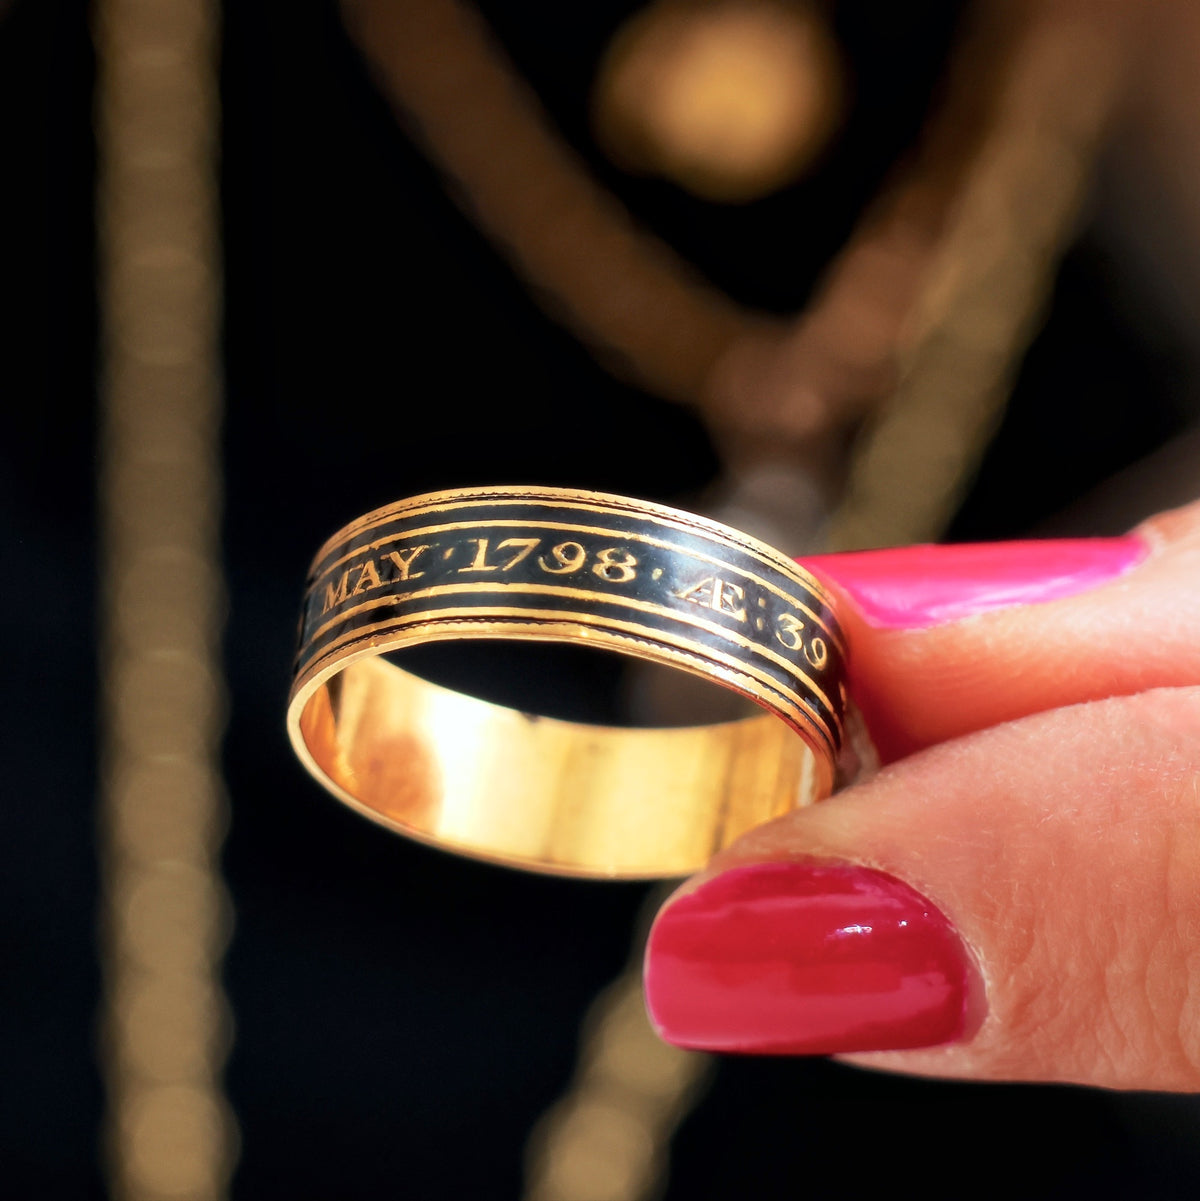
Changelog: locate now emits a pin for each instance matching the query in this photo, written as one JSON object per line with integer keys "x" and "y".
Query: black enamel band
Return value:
{"x": 575, "y": 566}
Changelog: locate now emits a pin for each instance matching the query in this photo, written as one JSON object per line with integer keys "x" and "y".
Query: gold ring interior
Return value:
{"x": 537, "y": 792}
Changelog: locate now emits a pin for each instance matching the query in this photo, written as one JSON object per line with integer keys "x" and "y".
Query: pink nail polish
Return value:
{"x": 803, "y": 959}
{"x": 914, "y": 587}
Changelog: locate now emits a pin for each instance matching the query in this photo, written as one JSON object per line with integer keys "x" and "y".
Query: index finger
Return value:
{"x": 947, "y": 640}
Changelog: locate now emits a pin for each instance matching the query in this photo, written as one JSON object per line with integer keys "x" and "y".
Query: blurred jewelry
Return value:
{"x": 562, "y": 565}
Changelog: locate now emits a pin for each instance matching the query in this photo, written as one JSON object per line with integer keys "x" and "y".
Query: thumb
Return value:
{"x": 1023, "y": 893}
{"x": 1020, "y": 904}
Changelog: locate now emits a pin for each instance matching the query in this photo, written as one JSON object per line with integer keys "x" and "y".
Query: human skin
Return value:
{"x": 1040, "y": 797}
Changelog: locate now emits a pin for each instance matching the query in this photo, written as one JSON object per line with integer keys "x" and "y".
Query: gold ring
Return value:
{"x": 563, "y": 565}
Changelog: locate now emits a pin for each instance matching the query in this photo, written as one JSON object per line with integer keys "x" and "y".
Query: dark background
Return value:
{"x": 403, "y": 1016}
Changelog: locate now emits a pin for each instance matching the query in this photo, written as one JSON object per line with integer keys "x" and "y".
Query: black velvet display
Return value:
{"x": 403, "y": 1016}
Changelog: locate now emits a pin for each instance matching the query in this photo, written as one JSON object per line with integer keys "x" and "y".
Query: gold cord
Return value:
{"x": 165, "y": 918}
{"x": 607, "y": 1138}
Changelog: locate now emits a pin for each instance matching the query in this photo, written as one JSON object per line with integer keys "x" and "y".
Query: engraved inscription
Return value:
{"x": 391, "y": 567}
{"x": 816, "y": 652}
{"x": 717, "y": 594}
{"x": 335, "y": 594}
{"x": 615, "y": 565}
{"x": 666, "y": 586}
{"x": 403, "y": 561}
{"x": 525, "y": 547}
{"x": 566, "y": 559}
{"x": 479, "y": 563}
{"x": 612, "y": 563}
{"x": 662, "y": 584}
{"x": 368, "y": 577}
{"x": 792, "y": 632}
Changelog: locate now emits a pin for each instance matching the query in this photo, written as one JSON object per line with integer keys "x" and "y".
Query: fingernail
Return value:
{"x": 802, "y": 959}
{"x": 914, "y": 587}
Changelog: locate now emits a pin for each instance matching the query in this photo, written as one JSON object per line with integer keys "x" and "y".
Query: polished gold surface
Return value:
{"x": 536, "y": 792}
{"x": 533, "y": 791}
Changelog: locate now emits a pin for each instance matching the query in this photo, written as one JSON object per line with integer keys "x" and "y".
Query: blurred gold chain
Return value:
{"x": 608, "y": 1137}
{"x": 991, "y": 277}
{"x": 165, "y": 914}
